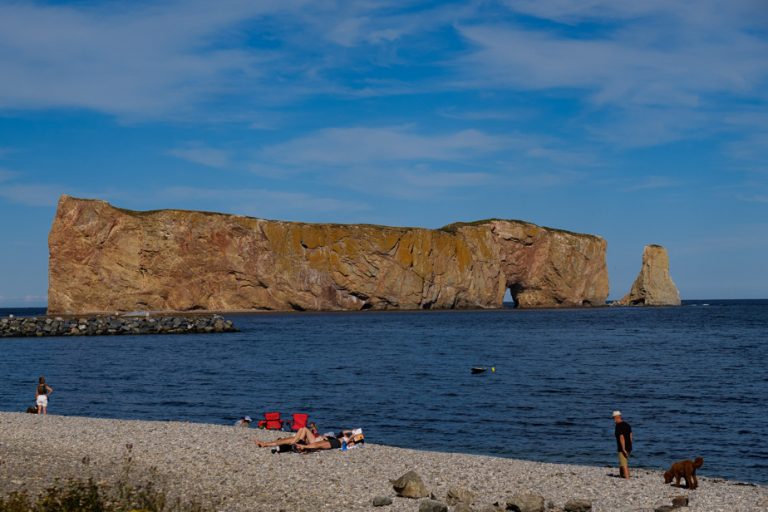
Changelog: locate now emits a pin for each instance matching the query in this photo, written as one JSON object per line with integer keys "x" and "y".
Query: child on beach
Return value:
{"x": 41, "y": 395}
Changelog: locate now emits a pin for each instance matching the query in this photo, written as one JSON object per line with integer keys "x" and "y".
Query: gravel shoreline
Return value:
{"x": 221, "y": 465}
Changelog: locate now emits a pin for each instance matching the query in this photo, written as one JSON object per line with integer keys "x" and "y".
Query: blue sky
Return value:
{"x": 641, "y": 122}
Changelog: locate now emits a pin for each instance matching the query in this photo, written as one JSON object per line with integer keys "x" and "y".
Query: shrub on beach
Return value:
{"x": 87, "y": 496}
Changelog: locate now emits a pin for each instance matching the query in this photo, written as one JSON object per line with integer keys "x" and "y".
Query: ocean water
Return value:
{"x": 691, "y": 381}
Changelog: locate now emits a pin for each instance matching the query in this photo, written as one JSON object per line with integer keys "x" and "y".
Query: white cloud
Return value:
{"x": 6, "y": 175}
{"x": 642, "y": 126}
{"x": 404, "y": 163}
{"x": 756, "y": 198}
{"x": 652, "y": 183}
{"x": 617, "y": 69}
{"x": 209, "y": 157}
{"x": 32, "y": 195}
{"x": 265, "y": 203}
{"x": 410, "y": 183}
{"x": 699, "y": 13}
{"x": 363, "y": 145}
{"x": 477, "y": 115}
{"x": 184, "y": 58}
{"x": 136, "y": 60}
{"x": 25, "y": 301}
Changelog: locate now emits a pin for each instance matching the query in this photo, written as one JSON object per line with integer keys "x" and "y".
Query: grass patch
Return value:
{"x": 80, "y": 495}
{"x": 87, "y": 496}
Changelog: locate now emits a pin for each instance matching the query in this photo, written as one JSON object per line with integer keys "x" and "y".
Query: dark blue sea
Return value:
{"x": 690, "y": 380}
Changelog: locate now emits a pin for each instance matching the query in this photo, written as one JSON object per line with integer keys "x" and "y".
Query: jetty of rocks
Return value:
{"x": 112, "y": 325}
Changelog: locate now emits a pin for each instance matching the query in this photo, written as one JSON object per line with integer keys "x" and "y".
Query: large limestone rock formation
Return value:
{"x": 106, "y": 259}
{"x": 653, "y": 286}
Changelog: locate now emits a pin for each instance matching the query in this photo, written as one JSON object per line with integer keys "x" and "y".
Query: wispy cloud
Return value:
{"x": 616, "y": 69}
{"x": 759, "y": 198}
{"x": 26, "y": 300}
{"x": 183, "y": 58}
{"x": 655, "y": 71}
{"x": 363, "y": 145}
{"x": 652, "y": 183}
{"x": 139, "y": 60}
{"x": 264, "y": 202}
{"x": 411, "y": 183}
{"x": 404, "y": 162}
{"x": 32, "y": 195}
{"x": 206, "y": 156}
{"x": 6, "y": 175}
{"x": 477, "y": 115}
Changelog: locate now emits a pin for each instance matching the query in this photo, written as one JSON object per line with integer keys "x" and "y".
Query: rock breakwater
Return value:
{"x": 112, "y": 325}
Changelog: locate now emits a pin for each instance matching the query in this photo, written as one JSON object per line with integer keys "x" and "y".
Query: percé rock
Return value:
{"x": 653, "y": 286}
{"x": 107, "y": 259}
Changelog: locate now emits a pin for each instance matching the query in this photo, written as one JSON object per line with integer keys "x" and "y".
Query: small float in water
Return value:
{"x": 482, "y": 369}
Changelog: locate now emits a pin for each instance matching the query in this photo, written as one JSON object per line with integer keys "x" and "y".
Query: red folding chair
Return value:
{"x": 271, "y": 421}
{"x": 299, "y": 421}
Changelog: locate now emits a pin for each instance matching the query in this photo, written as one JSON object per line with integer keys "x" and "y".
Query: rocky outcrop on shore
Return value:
{"x": 112, "y": 325}
{"x": 105, "y": 259}
{"x": 221, "y": 466}
{"x": 653, "y": 285}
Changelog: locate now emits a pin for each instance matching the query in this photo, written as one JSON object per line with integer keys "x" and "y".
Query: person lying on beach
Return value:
{"x": 307, "y": 440}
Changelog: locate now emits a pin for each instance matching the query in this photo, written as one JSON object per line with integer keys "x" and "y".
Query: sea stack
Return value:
{"x": 107, "y": 259}
{"x": 653, "y": 286}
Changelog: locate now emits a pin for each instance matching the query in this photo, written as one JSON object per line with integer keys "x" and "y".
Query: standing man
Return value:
{"x": 623, "y": 434}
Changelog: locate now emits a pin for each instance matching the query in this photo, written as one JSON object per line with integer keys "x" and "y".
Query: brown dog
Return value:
{"x": 684, "y": 469}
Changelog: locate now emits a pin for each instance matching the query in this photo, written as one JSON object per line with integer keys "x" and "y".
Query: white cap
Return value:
{"x": 616, "y": 413}
{"x": 247, "y": 418}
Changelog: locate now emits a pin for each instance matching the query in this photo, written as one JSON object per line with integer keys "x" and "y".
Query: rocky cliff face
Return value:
{"x": 106, "y": 259}
{"x": 653, "y": 286}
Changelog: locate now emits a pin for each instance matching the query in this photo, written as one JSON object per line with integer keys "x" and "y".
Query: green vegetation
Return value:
{"x": 86, "y": 496}
{"x": 79, "y": 495}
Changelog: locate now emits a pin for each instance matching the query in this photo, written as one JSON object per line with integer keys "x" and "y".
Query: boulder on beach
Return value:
{"x": 577, "y": 505}
{"x": 410, "y": 485}
{"x": 382, "y": 501}
{"x": 525, "y": 503}
{"x": 430, "y": 505}
{"x": 457, "y": 495}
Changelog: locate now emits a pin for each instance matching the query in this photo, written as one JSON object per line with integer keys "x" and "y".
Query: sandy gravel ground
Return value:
{"x": 221, "y": 465}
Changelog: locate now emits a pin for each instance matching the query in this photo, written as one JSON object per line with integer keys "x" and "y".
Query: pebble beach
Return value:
{"x": 221, "y": 466}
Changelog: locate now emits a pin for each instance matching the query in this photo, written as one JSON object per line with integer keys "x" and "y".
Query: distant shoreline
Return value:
{"x": 222, "y": 464}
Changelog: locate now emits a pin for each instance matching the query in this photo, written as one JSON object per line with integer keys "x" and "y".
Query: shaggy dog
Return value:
{"x": 32, "y": 410}
{"x": 684, "y": 469}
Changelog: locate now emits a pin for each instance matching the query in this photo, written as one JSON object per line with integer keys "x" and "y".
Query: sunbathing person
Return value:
{"x": 303, "y": 435}
{"x": 307, "y": 440}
